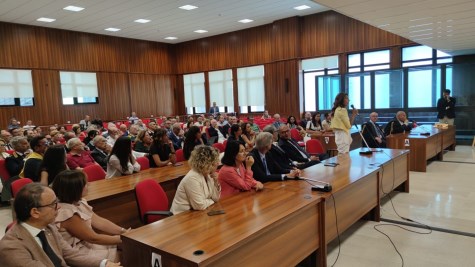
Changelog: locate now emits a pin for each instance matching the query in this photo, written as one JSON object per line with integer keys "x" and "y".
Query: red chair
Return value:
{"x": 225, "y": 143}
{"x": 18, "y": 184}
{"x": 295, "y": 134}
{"x": 10, "y": 151}
{"x": 314, "y": 147}
{"x": 94, "y": 172}
{"x": 152, "y": 202}
{"x": 219, "y": 147}
{"x": 144, "y": 163}
{"x": 179, "y": 155}
{"x": 4, "y": 174}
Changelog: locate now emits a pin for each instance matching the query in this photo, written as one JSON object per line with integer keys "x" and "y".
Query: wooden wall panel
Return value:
{"x": 286, "y": 39}
{"x": 151, "y": 94}
{"x": 18, "y": 47}
{"x": 114, "y": 100}
{"x": 282, "y": 83}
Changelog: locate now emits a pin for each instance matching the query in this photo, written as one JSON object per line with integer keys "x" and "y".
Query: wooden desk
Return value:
{"x": 265, "y": 228}
{"x": 114, "y": 198}
{"x": 328, "y": 141}
{"x": 423, "y": 147}
{"x": 255, "y": 231}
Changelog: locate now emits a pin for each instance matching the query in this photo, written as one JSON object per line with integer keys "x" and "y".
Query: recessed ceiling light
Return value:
{"x": 302, "y": 7}
{"x": 46, "y": 20}
{"x": 201, "y": 31}
{"x": 74, "y": 8}
{"x": 246, "y": 20}
{"x": 171, "y": 38}
{"x": 383, "y": 25}
{"x": 142, "y": 20}
{"x": 112, "y": 29}
{"x": 188, "y": 7}
{"x": 421, "y": 25}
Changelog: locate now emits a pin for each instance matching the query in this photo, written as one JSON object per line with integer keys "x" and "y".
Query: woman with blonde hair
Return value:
{"x": 200, "y": 188}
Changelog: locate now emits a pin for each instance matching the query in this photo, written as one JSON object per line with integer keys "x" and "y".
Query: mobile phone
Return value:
{"x": 216, "y": 212}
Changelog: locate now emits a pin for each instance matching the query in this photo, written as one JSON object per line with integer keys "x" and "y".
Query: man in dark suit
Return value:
{"x": 372, "y": 133}
{"x": 294, "y": 151}
{"x": 214, "y": 109}
{"x": 34, "y": 241}
{"x": 176, "y": 136}
{"x": 400, "y": 124}
{"x": 101, "y": 151}
{"x": 264, "y": 168}
{"x": 16, "y": 161}
{"x": 446, "y": 108}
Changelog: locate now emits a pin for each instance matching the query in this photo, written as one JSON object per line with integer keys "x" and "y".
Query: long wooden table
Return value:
{"x": 425, "y": 142}
{"x": 279, "y": 226}
{"x": 114, "y": 198}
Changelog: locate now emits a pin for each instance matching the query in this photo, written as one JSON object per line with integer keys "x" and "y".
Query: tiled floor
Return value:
{"x": 443, "y": 197}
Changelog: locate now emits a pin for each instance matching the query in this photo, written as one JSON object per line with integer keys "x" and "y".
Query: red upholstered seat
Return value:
{"x": 152, "y": 202}
{"x": 18, "y": 184}
{"x": 219, "y": 147}
{"x": 313, "y": 147}
{"x": 144, "y": 163}
{"x": 179, "y": 155}
{"x": 94, "y": 172}
{"x": 3, "y": 171}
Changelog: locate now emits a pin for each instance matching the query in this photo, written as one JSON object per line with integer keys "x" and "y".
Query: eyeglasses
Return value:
{"x": 54, "y": 205}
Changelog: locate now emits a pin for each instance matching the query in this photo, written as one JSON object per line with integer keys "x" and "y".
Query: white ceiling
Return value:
{"x": 215, "y": 16}
{"x": 445, "y": 25}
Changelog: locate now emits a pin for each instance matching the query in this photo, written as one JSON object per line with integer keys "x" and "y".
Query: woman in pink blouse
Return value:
{"x": 234, "y": 176}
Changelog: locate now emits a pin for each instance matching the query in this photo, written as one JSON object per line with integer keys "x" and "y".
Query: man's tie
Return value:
{"x": 265, "y": 166}
{"x": 48, "y": 250}
{"x": 378, "y": 131}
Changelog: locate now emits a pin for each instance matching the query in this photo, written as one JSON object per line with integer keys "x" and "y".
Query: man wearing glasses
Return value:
{"x": 33, "y": 241}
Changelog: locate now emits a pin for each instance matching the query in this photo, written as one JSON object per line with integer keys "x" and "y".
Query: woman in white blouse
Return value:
{"x": 199, "y": 189}
{"x": 121, "y": 161}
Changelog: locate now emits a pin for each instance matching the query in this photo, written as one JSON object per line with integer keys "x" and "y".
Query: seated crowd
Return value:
{"x": 251, "y": 157}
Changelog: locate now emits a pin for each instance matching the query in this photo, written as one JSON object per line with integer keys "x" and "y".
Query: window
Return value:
{"x": 194, "y": 93}
{"x": 328, "y": 88}
{"x": 388, "y": 89}
{"x": 251, "y": 89}
{"x": 423, "y": 86}
{"x": 316, "y": 78}
{"x": 367, "y": 61}
{"x": 359, "y": 90}
{"x": 423, "y": 55}
{"x": 78, "y": 87}
{"x": 16, "y": 87}
{"x": 221, "y": 89}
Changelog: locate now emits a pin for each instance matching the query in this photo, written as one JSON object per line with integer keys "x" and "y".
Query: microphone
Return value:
{"x": 368, "y": 151}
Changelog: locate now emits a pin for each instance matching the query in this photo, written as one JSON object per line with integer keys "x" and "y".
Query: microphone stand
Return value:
{"x": 362, "y": 152}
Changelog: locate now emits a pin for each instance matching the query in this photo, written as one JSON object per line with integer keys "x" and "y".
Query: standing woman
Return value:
{"x": 192, "y": 139}
{"x": 341, "y": 123}
{"x": 200, "y": 188}
{"x": 162, "y": 151}
{"x": 54, "y": 162}
{"x": 121, "y": 161}
{"x": 248, "y": 136}
{"x": 234, "y": 176}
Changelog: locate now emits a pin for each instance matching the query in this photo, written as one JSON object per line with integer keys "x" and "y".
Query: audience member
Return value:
{"x": 3, "y": 150}
{"x": 162, "y": 151}
{"x": 372, "y": 133}
{"x": 78, "y": 158}
{"x": 314, "y": 126}
{"x": 199, "y": 121}
{"x": 446, "y": 108}
{"x": 264, "y": 167}
{"x": 235, "y": 134}
{"x": 29, "y": 125}
{"x": 292, "y": 123}
{"x": 77, "y": 222}
{"x": 234, "y": 176}
{"x": 15, "y": 162}
{"x": 254, "y": 126}
{"x": 34, "y": 240}
{"x": 133, "y": 118}
{"x": 192, "y": 139}
{"x": 6, "y": 136}
{"x": 13, "y": 124}
{"x": 54, "y": 162}
{"x": 176, "y": 136}
{"x": 277, "y": 154}
{"x": 32, "y": 166}
{"x": 294, "y": 151}
{"x": 16, "y": 131}
{"x": 91, "y": 134}
{"x": 101, "y": 151}
{"x": 200, "y": 188}
{"x": 143, "y": 142}
{"x": 277, "y": 122}
{"x": 265, "y": 115}
{"x": 84, "y": 123}
{"x": 248, "y": 136}
{"x": 121, "y": 161}
{"x": 56, "y": 138}
{"x": 326, "y": 123}
{"x": 215, "y": 131}
{"x": 399, "y": 124}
